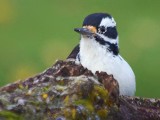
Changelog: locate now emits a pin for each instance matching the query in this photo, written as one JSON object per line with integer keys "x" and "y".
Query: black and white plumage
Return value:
{"x": 98, "y": 50}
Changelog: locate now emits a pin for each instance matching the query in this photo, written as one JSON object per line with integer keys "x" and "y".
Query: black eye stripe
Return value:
{"x": 111, "y": 32}
{"x": 102, "y": 29}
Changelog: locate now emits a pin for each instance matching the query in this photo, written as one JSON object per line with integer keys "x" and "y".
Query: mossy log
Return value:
{"x": 67, "y": 91}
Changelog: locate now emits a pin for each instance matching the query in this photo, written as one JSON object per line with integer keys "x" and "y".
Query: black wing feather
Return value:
{"x": 74, "y": 53}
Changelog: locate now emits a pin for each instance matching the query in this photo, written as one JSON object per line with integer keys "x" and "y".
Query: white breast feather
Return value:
{"x": 96, "y": 58}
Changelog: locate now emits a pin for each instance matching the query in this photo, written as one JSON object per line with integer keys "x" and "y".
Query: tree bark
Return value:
{"x": 67, "y": 91}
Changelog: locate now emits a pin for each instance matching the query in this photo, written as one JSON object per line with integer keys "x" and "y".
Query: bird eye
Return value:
{"x": 102, "y": 29}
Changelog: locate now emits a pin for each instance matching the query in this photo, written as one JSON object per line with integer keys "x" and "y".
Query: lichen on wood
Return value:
{"x": 64, "y": 91}
{"x": 67, "y": 91}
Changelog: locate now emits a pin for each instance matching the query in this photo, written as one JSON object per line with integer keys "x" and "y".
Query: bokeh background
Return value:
{"x": 34, "y": 33}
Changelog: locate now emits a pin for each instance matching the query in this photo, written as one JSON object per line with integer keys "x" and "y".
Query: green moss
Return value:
{"x": 66, "y": 100}
{"x": 7, "y": 115}
{"x": 61, "y": 82}
{"x": 102, "y": 92}
{"x": 97, "y": 93}
{"x": 21, "y": 86}
{"x": 73, "y": 113}
{"x": 46, "y": 88}
{"x": 67, "y": 113}
{"x": 102, "y": 113}
{"x": 85, "y": 102}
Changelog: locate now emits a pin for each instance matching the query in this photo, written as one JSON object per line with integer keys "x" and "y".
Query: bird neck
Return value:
{"x": 93, "y": 49}
{"x": 106, "y": 43}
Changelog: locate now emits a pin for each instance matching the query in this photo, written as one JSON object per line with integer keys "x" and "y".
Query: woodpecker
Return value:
{"x": 98, "y": 50}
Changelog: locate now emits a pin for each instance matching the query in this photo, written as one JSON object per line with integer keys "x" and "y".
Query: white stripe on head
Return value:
{"x": 114, "y": 41}
{"x": 108, "y": 22}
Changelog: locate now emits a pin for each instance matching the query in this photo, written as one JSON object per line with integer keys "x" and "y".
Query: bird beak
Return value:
{"x": 86, "y": 30}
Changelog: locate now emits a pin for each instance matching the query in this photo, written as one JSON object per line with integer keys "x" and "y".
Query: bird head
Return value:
{"x": 101, "y": 28}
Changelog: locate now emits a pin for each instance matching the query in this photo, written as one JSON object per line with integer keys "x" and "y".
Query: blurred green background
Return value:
{"x": 34, "y": 33}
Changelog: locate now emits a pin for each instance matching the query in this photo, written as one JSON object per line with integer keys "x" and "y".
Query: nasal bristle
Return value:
{"x": 77, "y": 29}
